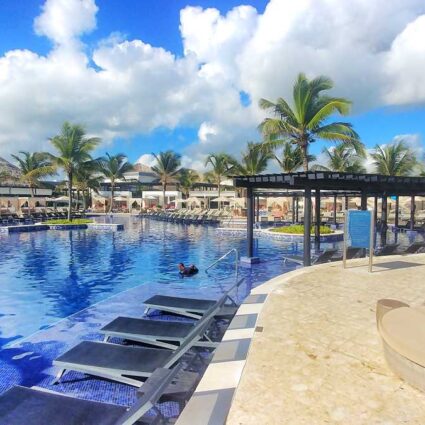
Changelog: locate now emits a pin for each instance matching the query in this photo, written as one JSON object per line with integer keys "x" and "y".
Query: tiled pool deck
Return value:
{"x": 316, "y": 357}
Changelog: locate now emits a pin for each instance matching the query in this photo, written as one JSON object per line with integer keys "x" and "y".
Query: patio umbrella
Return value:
{"x": 237, "y": 203}
{"x": 222, "y": 199}
{"x": 120, "y": 198}
{"x": 151, "y": 197}
{"x": 193, "y": 200}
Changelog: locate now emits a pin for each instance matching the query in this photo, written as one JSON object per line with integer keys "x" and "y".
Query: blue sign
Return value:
{"x": 358, "y": 228}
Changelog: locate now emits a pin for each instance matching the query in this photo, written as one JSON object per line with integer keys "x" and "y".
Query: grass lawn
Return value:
{"x": 298, "y": 229}
{"x": 75, "y": 221}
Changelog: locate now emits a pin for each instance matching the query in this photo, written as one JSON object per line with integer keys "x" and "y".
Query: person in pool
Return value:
{"x": 187, "y": 271}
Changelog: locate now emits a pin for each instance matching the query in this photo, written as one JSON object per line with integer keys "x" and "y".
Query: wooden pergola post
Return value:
{"x": 412, "y": 212}
{"x": 307, "y": 227}
{"x": 250, "y": 221}
{"x": 317, "y": 216}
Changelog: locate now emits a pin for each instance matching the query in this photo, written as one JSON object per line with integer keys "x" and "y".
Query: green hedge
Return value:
{"x": 67, "y": 222}
{"x": 298, "y": 229}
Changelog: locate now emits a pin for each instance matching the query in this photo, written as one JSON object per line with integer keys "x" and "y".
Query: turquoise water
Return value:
{"x": 46, "y": 276}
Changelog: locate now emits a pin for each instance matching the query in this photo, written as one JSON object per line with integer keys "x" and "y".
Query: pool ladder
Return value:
{"x": 236, "y": 252}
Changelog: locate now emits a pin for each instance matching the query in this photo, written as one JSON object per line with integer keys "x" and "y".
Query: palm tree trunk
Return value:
{"x": 164, "y": 186}
{"x": 84, "y": 200}
{"x": 112, "y": 196}
{"x": 70, "y": 196}
{"x": 305, "y": 158}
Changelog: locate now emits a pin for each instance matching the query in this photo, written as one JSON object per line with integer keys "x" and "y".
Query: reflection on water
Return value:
{"x": 45, "y": 276}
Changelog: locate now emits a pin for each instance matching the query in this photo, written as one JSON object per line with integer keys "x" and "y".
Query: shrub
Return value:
{"x": 298, "y": 229}
{"x": 67, "y": 222}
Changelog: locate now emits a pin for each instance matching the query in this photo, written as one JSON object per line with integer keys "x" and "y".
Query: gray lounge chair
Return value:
{"x": 324, "y": 257}
{"x": 388, "y": 249}
{"x": 128, "y": 364}
{"x": 29, "y": 406}
{"x": 414, "y": 248}
{"x": 189, "y": 307}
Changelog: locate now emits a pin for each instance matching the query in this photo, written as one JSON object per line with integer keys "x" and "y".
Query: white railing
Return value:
{"x": 236, "y": 252}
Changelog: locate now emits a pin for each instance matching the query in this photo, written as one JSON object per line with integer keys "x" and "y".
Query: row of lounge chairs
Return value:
{"x": 12, "y": 219}
{"x": 197, "y": 216}
{"x": 123, "y": 363}
{"x": 333, "y": 255}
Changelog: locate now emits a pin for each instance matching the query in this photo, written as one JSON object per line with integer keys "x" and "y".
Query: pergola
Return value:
{"x": 323, "y": 183}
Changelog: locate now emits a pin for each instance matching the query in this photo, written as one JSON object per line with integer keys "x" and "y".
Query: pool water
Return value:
{"x": 46, "y": 276}
{"x": 58, "y": 288}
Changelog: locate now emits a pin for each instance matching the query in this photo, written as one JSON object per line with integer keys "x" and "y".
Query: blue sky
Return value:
{"x": 388, "y": 106}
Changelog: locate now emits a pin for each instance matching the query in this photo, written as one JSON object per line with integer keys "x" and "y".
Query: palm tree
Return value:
{"x": 395, "y": 159}
{"x": 344, "y": 159}
{"x": 187, "y": 178}
{"x": 86, "y": 179}
{"x": 33, "y": 166}
{"x": 306, "y": 121}
{"x": 73, "y": 148}
{"x": 222, "y": 166}
{"x": 254, "y": 160}
{"x": 167, "y": 169}
{"x": 113, "y": 167}
{"x": 292, "y": 158}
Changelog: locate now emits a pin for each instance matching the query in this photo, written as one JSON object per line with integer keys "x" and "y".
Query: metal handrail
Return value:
{"x": 225, "y": 256}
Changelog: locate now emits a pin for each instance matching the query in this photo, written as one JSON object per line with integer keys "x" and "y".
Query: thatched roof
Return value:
{"x": 8, "y": 169}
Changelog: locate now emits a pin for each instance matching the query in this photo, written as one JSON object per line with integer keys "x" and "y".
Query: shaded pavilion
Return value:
{"x": 321, "y": 184}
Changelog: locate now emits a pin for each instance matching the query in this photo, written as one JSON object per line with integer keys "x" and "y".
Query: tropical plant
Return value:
{"x": 395, "y": 159}
{"x": 113, "y": 167}
{"x": 307, "y": 120}
{"x": 33, "y": 167}
{"x": 86, "y": 178}
{"x": 187, "y": 178}
{"x": 167, "y": 169}
{"x": 254, "y": 160}
{"x": 73, "y": 149}
{"x": 222, "y": 165}
{"x": 292, "y": 158}
{"x": 344, "y": 159}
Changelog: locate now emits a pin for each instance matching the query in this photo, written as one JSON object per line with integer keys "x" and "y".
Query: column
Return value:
{"x": 397, "y": 207}
{"x": 335, "y": 201}
{"x": 307, "y": 227}
{"x": 317, "y": 216}
{"x": 412, "y": 212}
{"x": 250, "y": 222}
{"x": 364, "y": 201}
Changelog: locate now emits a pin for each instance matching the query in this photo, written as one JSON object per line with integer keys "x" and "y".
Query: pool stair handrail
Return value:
{"x": 223, "y": 257}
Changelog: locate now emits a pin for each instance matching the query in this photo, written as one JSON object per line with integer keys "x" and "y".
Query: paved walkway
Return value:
{"x": 316, "y": 357}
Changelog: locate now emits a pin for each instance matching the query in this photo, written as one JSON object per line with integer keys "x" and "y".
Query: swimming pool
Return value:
{"x": 46, "y": 276}
{"x": 58, "y": 288}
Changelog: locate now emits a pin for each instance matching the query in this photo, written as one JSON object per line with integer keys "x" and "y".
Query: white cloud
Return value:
{"x": 147, "y": 159}
{"x": 64, "y": 20}
{"x": 374, "y": 51}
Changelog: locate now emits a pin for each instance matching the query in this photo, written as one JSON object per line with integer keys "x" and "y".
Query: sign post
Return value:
{"x": 358, "y": 233}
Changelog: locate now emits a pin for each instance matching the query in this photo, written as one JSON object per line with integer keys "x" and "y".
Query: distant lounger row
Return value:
{"x": 161, "y": 367}
{"x": 333, "y": 254}
{"x": 197, "y": 216}
{"x": 7, "y": 219}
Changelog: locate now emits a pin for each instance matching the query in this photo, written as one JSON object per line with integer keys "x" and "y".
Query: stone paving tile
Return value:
{"x": 319, "y": 359}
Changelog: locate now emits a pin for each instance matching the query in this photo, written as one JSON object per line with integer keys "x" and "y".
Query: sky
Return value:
{"x": 153, "y": 75}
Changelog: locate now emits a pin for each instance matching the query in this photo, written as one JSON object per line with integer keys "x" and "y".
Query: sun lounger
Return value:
{"x": 414, "y": 248}
{"x": 324, "y": 257}
{"x": 160, "y": 333}
{"x": 128, "y": 364}
{"x": 21, "y": 405}
{"x": 388, "y": 249}
{"x": 189, "y": 307}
